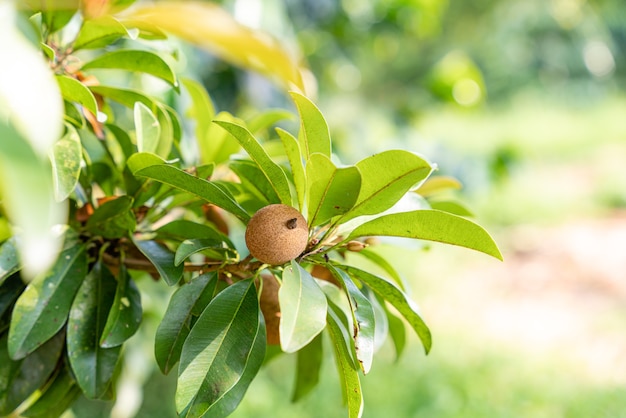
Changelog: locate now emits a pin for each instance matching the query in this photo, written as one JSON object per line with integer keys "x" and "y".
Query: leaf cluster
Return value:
{"x": 140, "y": 206}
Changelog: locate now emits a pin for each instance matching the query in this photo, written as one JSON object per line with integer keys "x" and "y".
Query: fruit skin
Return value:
{"x": 270, "y": 307}
{"x": 277, "y": 234}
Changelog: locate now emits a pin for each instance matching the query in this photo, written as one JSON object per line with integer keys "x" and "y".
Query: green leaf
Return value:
{"x": 202, "y": 112}
{"x": 303, "y": 308}
{"x": 431, "y": 225}
{"x": 135, "y": 60}
{"x": 403, "y": 304}
{"x": 272, "y": 171}
{"x": 93, "y": 365}
{"x": 96, "y": 33}
{"x": 229, "y": 402}
{"x": 66, "y": 159}
{"x": 332, "y": 191}
{"x": 183, "y": 181}
{"x": 314, "y": 134}
{"x": 397, "y": 330}
{"x": 19, "y": 379}
{"x": 253, "y": 179}
{"x": 362, "y": 318}
{"x": 348, "y": 372}
{"x": 438, "y": 184}
{"x": 221, "y": 354}
{"x": 41, "y": 311}
{"x": 147, "y": 128}
{"x": 308, "y": 365}
{"x": 450, "y": 206}
{"x": 146, "y": 29}
{"x": 385, "y": 178}
{"x": 125, "y": 314}
{"x": 213, "y": 248}
{"x": 385, "y": 265}
{"x": 163, "y": 259}
{"x": 167, "y": 132}
{"x": 266, "y": 119}
{"x": 9, "y": 262}
{"x": 57, "y": 397}
{"x": 10, "y": 290}
{"x": 176, "y": 323}
{"x": 126, "y": 97}
{"x": 56, "y": 20}
{"x": 75, "y": 91}
{"x": 294, "y": 155}
{"x": 113, "y": 219}
{"x": 182, "y": 229}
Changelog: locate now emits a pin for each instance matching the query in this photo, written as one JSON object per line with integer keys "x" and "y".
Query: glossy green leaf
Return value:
{"x": 96, "y": 33}
{"x": 125, "y": 314}
{"x": 57, "y": 397}
{"x": 431, "y": 225}
{"x": 75, "y": 91}
{"x": 272, "y": 171}
{"x": 176, "y": 323}
{"x": 113, "y": 219}
{"x": 294, "y": 155}
{"x": 147, "y": 128}
{"x": 451, "y": 206}
{"x": 348, "y": 372}
{"x": 66, "y": 159}
{"x": 308, "y": 365}
{"x": 403, "y": 304}
{"x": 255, "y": 182}
{"x": 362, "y": 318}
{"x": 162, "y": 259}
{"x": 9, "y": 262}
{"x": 303, "y": 308}
{"x": 135, "y": 60}
{"x": 221, "y": 353}
{"x": 41, "y": 311}
{"x": 332, "y": 191}
{"x": 314, "y": 134}
{"x": 93, "y": 365}
{"x": 229, "y": 402}
{"x": 226, "y": 38}
{"x": 199, "y": 187}
{"x": 19, "y": 379}
{"x": 385, "y": 178}
{"x": 214, "y": 249}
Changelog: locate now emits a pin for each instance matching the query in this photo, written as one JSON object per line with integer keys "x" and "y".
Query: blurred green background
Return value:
{"x": 523, "y": 101}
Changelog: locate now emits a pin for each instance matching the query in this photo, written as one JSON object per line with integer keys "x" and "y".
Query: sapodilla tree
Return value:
{"x": 247, "y": 247}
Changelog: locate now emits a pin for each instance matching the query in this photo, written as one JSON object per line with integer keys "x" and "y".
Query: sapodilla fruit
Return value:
{"x": 276, "y": 234}
{"x": 270, "y": 307}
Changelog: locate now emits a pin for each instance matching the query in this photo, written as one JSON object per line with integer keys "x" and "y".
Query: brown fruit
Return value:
{"x": 270, "y": 307}
{"x": 276, "y": 234}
